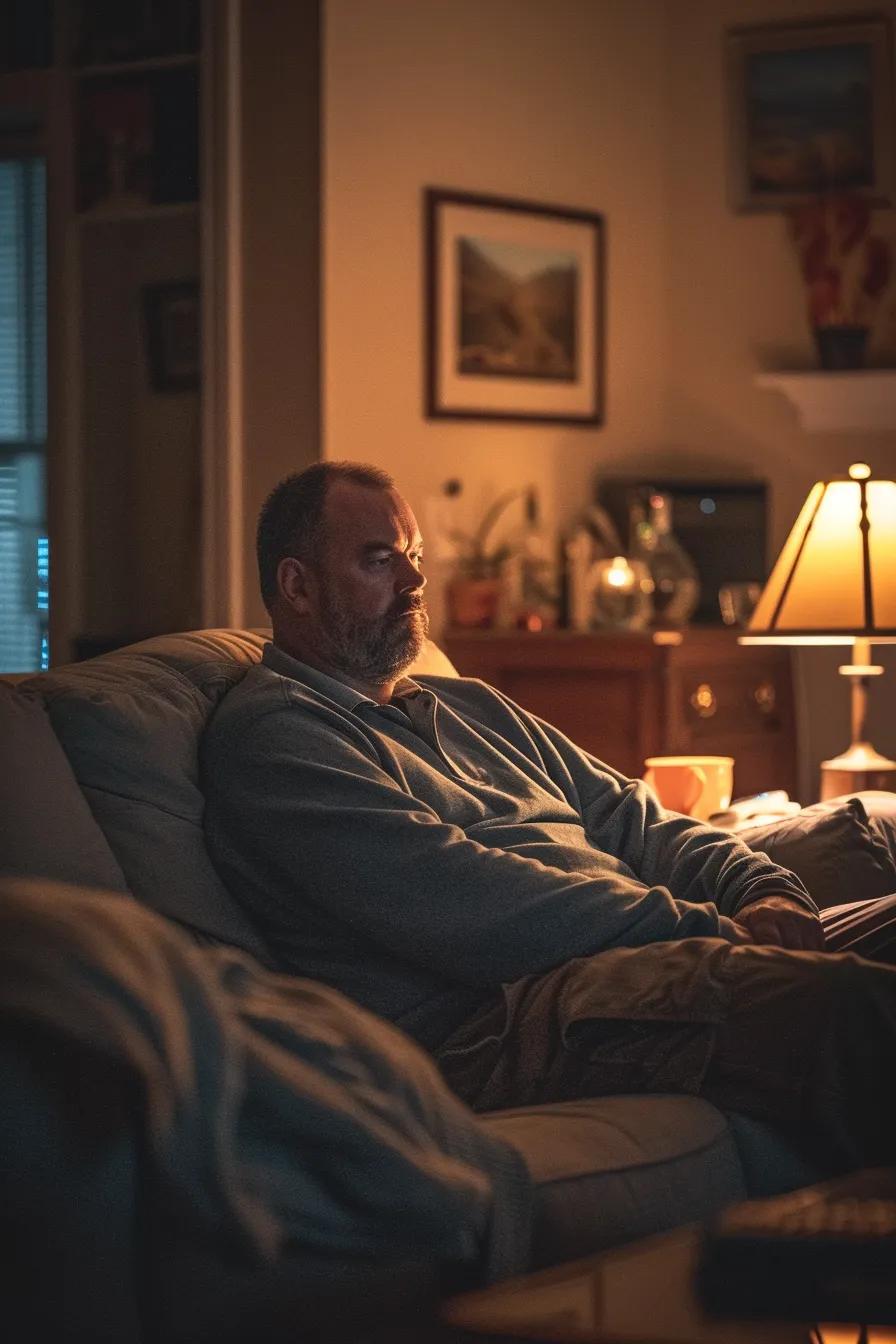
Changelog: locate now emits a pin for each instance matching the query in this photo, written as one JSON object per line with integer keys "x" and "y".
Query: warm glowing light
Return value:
{"x": 836, "y": 574}
{"x": 620, "y": 574}
{"x": 835, "y": 582}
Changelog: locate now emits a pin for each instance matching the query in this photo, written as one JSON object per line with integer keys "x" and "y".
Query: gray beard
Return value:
{"x": 377, "y": 650}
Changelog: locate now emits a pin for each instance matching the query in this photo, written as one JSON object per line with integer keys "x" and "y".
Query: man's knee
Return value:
{"x": 807, "y": 996}
{"x": 837, "y": 972}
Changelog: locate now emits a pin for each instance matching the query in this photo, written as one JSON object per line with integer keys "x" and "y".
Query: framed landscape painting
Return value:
{"x": 171, "y": 313}
{"x": 514, "y": 310}
{"x": 811, "y": 112}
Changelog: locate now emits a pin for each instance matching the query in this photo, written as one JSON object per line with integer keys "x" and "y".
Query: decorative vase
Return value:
{"x": 841, "y": 347}
{"x": 676, "y": 586}
{"x": 621, "y": 593}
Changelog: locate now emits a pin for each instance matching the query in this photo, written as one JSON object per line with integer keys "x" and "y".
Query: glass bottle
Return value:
{"x": 578, "y": 549}
{"x": 676, "y": 587}
{"x": 537, "y": 597}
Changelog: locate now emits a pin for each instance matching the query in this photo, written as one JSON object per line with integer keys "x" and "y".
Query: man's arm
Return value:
{"x": 326, "y": 826}
{"x": 696, "y": 862}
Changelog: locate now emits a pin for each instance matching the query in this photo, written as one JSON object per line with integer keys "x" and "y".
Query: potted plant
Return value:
{"x": 846, "y": 270}
{"x": 474, "y": 591}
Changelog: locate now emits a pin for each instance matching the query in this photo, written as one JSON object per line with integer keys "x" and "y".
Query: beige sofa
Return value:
{"x": 100, "y": 787}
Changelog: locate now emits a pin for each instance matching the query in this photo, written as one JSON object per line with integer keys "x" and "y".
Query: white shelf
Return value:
{"x": 137, "y": 67}
{"x": 852, "y": 400}
{"x": 127, "y": 214}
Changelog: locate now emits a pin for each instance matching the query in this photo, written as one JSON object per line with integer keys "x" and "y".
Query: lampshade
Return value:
{"x": 835, "y": 583}
{"x": 835, "y": 579}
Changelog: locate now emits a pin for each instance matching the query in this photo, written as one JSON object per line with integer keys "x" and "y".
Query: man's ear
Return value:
{"x": 295, "y": 583}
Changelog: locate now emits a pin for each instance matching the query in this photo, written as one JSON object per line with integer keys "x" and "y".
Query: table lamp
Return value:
{"x": 835, "y": 583}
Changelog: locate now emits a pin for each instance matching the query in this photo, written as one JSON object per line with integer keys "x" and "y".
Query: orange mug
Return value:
{"x": 698, "y": 786}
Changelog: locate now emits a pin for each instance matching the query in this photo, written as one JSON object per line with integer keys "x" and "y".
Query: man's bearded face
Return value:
{"x": 374, "y": 648}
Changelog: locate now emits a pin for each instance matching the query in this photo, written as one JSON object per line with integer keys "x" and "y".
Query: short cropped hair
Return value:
{"x": 291, "y": 517}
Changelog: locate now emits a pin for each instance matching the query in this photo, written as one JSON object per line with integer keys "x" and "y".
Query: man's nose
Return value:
{"x": 409, "y": 577}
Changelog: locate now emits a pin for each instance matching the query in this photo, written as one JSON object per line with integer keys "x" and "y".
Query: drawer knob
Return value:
{"x": 704, "y": 700}
{"x": 765, "y": 697}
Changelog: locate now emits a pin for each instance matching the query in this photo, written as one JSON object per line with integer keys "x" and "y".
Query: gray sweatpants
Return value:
{"x": 805, "y": 1041}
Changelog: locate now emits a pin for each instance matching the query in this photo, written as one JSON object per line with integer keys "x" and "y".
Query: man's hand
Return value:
{"x": 783, "y": 923}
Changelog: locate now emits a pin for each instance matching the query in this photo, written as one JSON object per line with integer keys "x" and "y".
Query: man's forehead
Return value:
{"x": 362, "y": 512}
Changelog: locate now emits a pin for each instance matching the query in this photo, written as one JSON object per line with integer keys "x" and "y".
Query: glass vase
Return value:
{"x": 676, "y": 586}
{"x": 841, "y": 347}
{"x": 621, "y": 592}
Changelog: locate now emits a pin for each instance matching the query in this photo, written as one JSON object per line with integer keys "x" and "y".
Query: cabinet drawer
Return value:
{"x": 607, "y": 713}
{"x": 627, "y": 696}
{"x": 731, "y": 700}
{"x": 741, "y": 708}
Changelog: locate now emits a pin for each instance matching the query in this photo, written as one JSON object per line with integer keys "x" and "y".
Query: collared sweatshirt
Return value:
{"x": 420, "y": 854}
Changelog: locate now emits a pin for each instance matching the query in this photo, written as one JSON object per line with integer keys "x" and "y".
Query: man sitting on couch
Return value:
{"x": 532, "y": 917}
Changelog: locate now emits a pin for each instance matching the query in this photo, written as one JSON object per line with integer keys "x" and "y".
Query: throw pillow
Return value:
{"x": 47, "y": 827}
{"x": 833, "y": 848}
{"x": 129, "y": 723}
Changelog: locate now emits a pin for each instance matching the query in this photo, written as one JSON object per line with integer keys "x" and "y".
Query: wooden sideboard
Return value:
{"x": 624, "y": 696}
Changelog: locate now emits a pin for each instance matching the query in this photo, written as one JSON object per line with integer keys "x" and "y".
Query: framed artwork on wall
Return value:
{"x": 811, "y": 109}
{"x": 171, "y": 313}
{"x": 514, "y": 310}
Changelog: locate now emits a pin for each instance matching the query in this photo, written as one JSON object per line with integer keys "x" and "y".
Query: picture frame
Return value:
{"x": 171, "y": 315}
{"x": 137, "y": 140}
{"x": 514, "y": 310}
{"x": 811, "y": 111}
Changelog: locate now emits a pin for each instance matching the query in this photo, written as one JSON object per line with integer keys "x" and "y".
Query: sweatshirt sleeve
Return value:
{"x": 697, "y": 862}
{"x": 327, "y": 827}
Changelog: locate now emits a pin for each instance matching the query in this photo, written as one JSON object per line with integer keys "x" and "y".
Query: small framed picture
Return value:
{"x": 138, "y": 140}
{"x": 811, "y": 112}
{"x": 514, "y": 310}
{"x": 171, "y": 313}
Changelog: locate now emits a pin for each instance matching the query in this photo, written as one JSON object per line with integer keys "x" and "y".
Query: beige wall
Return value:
{"x": 558, "y": 102}
{"x": 616, "y": 107}
{"x": 734, "y": 304}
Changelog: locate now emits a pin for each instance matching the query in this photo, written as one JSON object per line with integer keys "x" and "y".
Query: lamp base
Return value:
{"x": 861, "y": 767}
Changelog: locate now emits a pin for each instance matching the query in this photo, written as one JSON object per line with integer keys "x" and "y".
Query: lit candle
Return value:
{"x": 621, "y": 593}
{"x": 620, "y": 574}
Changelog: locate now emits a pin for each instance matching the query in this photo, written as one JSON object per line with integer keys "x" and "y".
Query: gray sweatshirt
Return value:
{"x": 419, "y": 854}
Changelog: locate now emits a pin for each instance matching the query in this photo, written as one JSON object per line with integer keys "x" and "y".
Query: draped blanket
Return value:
{"x": 270, "y": 1121}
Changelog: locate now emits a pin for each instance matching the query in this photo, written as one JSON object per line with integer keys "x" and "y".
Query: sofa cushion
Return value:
{"x": 612, "y": 1169}
{"x": 130, "y": 723}
{"x": 838, "y": 851}
{"x": 47, "y": 828}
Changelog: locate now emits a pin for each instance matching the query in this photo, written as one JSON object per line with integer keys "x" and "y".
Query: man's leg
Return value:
{"x": 804, "y": 1041}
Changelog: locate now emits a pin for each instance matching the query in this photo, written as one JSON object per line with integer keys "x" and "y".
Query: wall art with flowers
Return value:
{"x": 846, "y": 255}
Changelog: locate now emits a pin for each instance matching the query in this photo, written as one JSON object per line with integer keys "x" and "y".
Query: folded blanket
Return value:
{"x": 272, "y": 1116}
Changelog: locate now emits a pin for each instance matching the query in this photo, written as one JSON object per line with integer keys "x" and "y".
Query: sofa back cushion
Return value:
{"x": 46, "y": 828}
{"x": 840, "y": 851}
{"x": 130, "y": 723}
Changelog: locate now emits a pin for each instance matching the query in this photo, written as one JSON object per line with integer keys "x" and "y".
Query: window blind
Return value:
{"x": 24, "y": 545}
